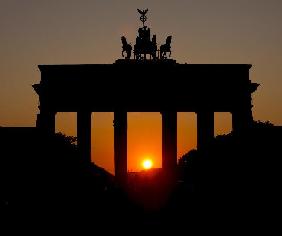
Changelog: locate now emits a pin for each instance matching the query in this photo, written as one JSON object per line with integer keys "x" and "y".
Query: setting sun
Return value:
{"x": 147, "y": 164}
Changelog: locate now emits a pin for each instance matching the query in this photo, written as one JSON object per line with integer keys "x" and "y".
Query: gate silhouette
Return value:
{"x": 145, "y": 86}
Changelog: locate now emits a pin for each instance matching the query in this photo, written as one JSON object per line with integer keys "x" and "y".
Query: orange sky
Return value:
{"x": 83, "y": 32}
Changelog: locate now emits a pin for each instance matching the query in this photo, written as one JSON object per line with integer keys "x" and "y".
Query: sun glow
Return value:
{"x": 147, "y": 164}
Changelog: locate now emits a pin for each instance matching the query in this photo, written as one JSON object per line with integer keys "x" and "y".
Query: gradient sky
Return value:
{"x": 83, "y": 32}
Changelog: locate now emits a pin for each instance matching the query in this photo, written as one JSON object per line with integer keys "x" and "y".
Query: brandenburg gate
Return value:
{"x": 154, "y": 84}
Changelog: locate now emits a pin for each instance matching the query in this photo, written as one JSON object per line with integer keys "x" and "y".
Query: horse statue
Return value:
{"x": 126, "y": 47}
{"x": 165, "y": 48}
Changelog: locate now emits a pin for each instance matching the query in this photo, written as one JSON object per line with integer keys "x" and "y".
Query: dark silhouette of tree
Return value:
{"x": 188, "y": 158}
{"x": 262, "y": 124}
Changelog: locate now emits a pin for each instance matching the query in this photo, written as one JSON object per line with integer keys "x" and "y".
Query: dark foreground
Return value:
{"x": 234, "y": 187}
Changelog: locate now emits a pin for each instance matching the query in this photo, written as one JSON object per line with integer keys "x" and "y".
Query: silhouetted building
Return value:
{"x": 146, "y": 86}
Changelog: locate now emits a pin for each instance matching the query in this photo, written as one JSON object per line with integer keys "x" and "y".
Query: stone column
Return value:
{"x": 46, "y": 121}
{"x": 241, "y": 120}
{"x": 169, "y": 141}
{"x": 242, "y": 117}
{"x": 84, "y": 135}
{"x": 120, "y": 146}
{"x": 205, "y": 129}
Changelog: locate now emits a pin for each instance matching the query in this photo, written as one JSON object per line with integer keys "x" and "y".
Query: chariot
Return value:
{"x": 145, "y": 44}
